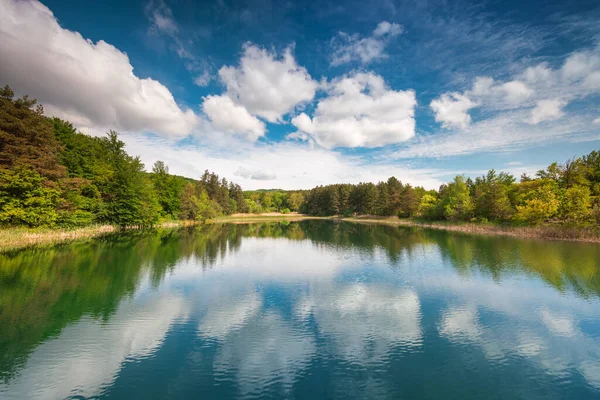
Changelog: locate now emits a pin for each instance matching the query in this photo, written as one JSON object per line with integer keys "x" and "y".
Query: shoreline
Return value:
{"x": 19, "y": 238}
{"x": 544, "y": 232}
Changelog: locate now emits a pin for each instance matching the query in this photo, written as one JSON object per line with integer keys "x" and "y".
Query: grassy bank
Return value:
{"x": 18, "y": 237}
{"x": 549, "y": 231}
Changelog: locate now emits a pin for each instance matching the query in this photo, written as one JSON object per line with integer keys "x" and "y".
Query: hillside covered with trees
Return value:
{"x": 53, "y": 176}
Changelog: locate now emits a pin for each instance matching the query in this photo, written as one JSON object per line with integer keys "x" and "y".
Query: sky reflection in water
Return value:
{"x": 303, "y": 310}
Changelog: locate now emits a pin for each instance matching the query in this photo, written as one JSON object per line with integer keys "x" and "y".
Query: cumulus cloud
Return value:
{"x": 268, "y": 86}
{"x": 547, "y": 110}
{"x": 597, "y": 120}
{"x": 360, "y": 111}
{"x": 451, "y": 109}
{"x": 93, "y": 82}
{"x": 507, "y": 94}
{"x": 511, "y": 110}
{"x": 232, "y": 117}
{"x": 348, "y": 48}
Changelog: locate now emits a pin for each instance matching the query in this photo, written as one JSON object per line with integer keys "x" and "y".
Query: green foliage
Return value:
{"x": 54, "y": 175}
{"x": 196, "y": 205}
{"x": 561, "y": 193}
{"x": 576, "y": 204}
{"x": 27, "y": 137}
{"x": 539, "y": 204}
{"x": 456, "y": 200}
{"x": 129, "y": 199}
{"x": 429, "y": 207}
{"x": 491, "y": 196}
{"x": 24, "y": 200}
{"x": 167, "y": 189}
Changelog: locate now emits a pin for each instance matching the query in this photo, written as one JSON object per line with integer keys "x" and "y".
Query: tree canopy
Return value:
{"x": 53, "y": 175}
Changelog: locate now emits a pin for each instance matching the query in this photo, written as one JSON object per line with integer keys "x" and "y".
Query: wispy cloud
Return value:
{"x": 162, "y": 22}
{"x": 348, "y": 48}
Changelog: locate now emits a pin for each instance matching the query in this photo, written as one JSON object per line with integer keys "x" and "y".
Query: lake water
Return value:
{"x": 310, "y": 310}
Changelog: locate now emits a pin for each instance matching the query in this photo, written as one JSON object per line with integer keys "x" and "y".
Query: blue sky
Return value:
{"x": 296, "y": 94}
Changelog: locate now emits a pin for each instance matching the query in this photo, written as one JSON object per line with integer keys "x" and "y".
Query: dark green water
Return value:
{"x": 305, "y": 310}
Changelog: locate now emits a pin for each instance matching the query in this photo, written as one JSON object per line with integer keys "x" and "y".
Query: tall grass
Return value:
{"x": 19, "y": 237}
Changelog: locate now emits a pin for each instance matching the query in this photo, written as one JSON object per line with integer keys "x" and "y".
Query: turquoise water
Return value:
{"x": 310, "y": 310}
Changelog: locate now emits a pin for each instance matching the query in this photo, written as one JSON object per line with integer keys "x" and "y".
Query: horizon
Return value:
{"x": 292, "y": 96}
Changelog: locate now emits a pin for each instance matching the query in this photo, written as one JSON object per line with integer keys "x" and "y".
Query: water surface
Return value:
{"x": 305, "y": 310}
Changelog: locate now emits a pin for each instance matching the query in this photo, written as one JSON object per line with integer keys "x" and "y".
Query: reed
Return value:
{"x": 19, "y": 237}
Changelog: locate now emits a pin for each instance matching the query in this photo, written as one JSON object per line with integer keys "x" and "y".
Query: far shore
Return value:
{"x": 547, "y": 231}
{"x": 18, "y": 237}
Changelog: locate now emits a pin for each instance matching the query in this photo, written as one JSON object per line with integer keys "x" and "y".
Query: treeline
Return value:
{"x": 259, "y": 201}
{"x": 51, "y": 175}
{"x": 561, "y": 193}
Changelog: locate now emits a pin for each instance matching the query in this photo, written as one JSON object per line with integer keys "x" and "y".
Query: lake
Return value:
{"x": 303, "y": 310}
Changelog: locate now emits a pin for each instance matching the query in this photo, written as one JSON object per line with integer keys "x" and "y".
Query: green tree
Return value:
{"x": 429, "y": 207}
{"x": 295, "y": 201}
{"x": 491, "y": 196}
{"x": 538, "y": 202}
{"x": 456, "y": 200}
{"x": 130, "y": 199}
{"x": 167, "y": 189}
{"x": 576, "y": 204}
{"x": 24, "y": 200}
{"x": 27, "y": 137}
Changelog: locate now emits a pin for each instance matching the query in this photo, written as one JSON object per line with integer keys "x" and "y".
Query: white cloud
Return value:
{"x": 386, "y": 28}
{"x": 451, "y": 109}
{"x": 161, "y": 18}
{"x": 232, "y": 117}
{"x": 349, "y": 48}
{"x": 75, "y": 77}
{"x": 298, "y": 166}
{"x": 579, "y": 65}
{"x": 492, "y": 93}
{"x": 511, "y": 110}
{"x": 266, "y": 85}
{"x": 504, "y": 132}
{"x": 597, "y": 120}
{"x": 360, "y": 111}
{"x": 203, "y": 79}
{"x": 547, "y": 110}
{"x": 256, "y": 174}
{"x": 515, "y": 91}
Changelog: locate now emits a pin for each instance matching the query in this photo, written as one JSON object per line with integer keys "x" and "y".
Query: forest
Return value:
{"x": 51, "y": 175}
{"x": 561, "y": 193}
